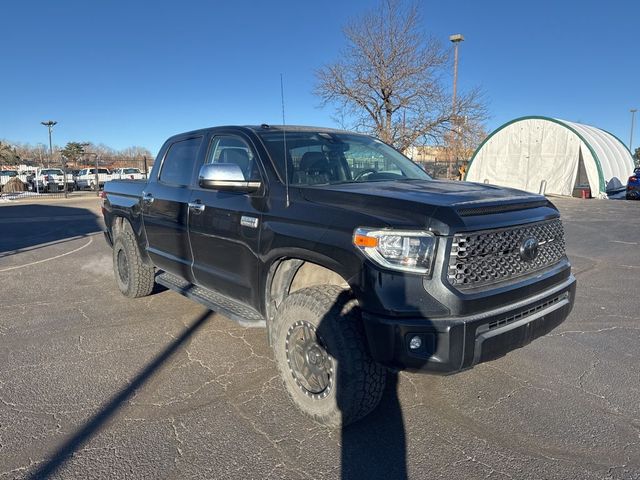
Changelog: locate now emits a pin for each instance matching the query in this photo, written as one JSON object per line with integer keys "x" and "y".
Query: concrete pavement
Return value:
{"x": 95, "y": 385}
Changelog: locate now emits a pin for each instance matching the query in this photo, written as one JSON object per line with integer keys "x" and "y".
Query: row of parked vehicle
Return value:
{"x": 54, "y": 179}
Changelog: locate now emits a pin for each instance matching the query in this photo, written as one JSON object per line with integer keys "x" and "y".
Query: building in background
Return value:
{"x": 552, "y": 156}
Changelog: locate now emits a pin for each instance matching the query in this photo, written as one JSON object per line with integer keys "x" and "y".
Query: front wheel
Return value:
{"x": 133, "y": 276}
{"x": 322, "y": 358}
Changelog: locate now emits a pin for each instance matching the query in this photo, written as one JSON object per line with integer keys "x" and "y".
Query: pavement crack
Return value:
{"x": 180, "y": 442}
{"x": 12, "y": 473}
{"x": 470, "y": 458}
{"x": 583, "y": 332}
{"x": 589, "y": 370}
{"x": 83, "y": 313}
{"x": 244, "y": 340}
{"x": 81, "y": 349}
{"x": 505, "y": 397}
{"x": 251, "y": 420}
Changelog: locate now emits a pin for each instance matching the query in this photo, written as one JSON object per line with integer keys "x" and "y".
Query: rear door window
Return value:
{"x": 179, "y": 162}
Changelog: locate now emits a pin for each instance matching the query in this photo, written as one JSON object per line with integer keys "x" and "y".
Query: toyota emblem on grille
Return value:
{"x": 529, "y": 249}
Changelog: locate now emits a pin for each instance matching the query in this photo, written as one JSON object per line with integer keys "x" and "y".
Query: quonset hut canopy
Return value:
{"x": 548, "y": 155}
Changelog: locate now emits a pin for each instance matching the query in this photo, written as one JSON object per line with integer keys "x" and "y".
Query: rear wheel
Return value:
{"x": 322, "y": 357}
{"x": 133, "y": 276}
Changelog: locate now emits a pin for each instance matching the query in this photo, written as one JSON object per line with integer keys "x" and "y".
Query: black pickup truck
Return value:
{"x": 354, "y": 259}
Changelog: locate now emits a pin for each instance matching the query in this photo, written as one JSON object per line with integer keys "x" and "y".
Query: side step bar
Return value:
{"x": 236, "y": 311}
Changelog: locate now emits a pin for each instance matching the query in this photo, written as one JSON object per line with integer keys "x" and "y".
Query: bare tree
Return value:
{"x": 134, "y": 152}
{"x": 462, "y": 142}
{"x": 390, "y": 81}
{"x": 8, "y": 154}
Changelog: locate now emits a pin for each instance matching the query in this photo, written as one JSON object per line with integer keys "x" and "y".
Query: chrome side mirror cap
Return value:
{"x": 225, "y": 176}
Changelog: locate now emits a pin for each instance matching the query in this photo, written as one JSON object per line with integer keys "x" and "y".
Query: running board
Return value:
{"x": 236, "y": 311}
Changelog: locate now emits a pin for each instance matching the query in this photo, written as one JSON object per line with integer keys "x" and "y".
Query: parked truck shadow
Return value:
{"x": 25, "y": 227}
{"x": 376, "y": 446}
{"x": 95, "y": 423}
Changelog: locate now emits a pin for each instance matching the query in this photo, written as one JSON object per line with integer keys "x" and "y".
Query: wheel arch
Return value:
{"x": 288, "y": 274}
{"x": 120, "y": 222}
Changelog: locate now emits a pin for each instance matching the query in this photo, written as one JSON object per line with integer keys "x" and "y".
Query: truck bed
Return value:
{"x": 125, "y": 188}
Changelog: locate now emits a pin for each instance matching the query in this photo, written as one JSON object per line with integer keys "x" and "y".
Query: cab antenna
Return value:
{"x": 284, "y": 139}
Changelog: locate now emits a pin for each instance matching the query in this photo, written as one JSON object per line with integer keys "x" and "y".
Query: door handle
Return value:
{"x": 196, "y": 207}
{"x": 147, "y": 198}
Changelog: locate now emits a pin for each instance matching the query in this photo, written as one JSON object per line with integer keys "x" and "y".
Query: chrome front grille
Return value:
{"x": 487, "y": 257}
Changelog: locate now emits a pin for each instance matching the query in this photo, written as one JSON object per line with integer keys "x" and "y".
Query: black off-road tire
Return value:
{"x": 134, "y": 278}
{"x": 356, "y": 382}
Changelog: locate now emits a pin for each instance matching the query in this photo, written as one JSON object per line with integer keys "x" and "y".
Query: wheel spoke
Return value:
{"x": 307, "y": 334}
{"x": 308, "y": 359}
{"x": 299, "y": 349}
{"x": 317, "y": 380}
{"x": 306, "y": 371}
{"x": 313, "y": 381}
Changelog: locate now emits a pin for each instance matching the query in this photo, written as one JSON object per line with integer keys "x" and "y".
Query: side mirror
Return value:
{"x": 225, "y": 176}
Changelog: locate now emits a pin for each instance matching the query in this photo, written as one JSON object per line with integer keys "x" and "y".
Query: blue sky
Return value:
{"x": 133, "y": 73}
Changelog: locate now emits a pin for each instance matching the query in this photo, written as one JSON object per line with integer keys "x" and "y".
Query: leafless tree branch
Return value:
{"x": 389, "y": 81}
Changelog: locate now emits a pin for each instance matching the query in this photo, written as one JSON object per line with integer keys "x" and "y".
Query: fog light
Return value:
{"x": 415, "y": 342}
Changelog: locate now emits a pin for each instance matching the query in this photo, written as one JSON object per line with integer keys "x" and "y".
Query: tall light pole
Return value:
{"x": 455, "y": 39}
{"x": 49, "y": 124}
{"x": 633, "y": 118}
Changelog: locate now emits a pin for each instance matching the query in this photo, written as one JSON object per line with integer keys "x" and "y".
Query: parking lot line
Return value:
{"x": 16, "y": 267}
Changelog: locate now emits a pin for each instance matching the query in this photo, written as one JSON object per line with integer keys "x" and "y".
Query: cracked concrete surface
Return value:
{"x": 564, "y": 407}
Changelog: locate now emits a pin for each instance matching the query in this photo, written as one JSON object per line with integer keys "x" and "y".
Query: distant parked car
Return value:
{"x": 74, "y": 175}
{"x": 128, "y": 173}
{"x": 633, "y": 186}
{"x": 46, "y": 178}
{"x": 87, "y": 178}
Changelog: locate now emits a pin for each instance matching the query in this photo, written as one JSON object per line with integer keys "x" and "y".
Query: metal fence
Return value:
{"x": 443, "y": 169}
{"x": 440, "y": 169}
{"x": 30, "y": 183}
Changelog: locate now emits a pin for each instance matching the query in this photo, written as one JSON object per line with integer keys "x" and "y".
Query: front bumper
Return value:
{"x": 450, "y": 345}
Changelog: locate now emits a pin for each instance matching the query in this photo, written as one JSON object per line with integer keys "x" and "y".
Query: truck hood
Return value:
{"x": 439, "y": 204}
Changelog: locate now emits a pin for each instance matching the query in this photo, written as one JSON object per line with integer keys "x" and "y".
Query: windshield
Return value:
{"x": 11, "y": 173}
{"x": 131, "y": 170}
{"x": 51, "y": 171}
{"x": 323, "y": 158}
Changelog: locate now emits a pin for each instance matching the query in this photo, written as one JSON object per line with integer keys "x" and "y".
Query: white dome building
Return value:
{"x": 552, "y": 156}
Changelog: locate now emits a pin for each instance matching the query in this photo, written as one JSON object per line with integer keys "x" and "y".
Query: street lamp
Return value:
{"x": 633, "y": 117}
{"x": 455, "y": 39}
{"x": 49, "y": 124}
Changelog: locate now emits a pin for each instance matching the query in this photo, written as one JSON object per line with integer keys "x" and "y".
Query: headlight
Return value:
{"x": 405, "y": 250}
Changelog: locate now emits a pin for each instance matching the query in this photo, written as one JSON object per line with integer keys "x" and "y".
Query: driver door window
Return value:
{"x": 232, "y": 149}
